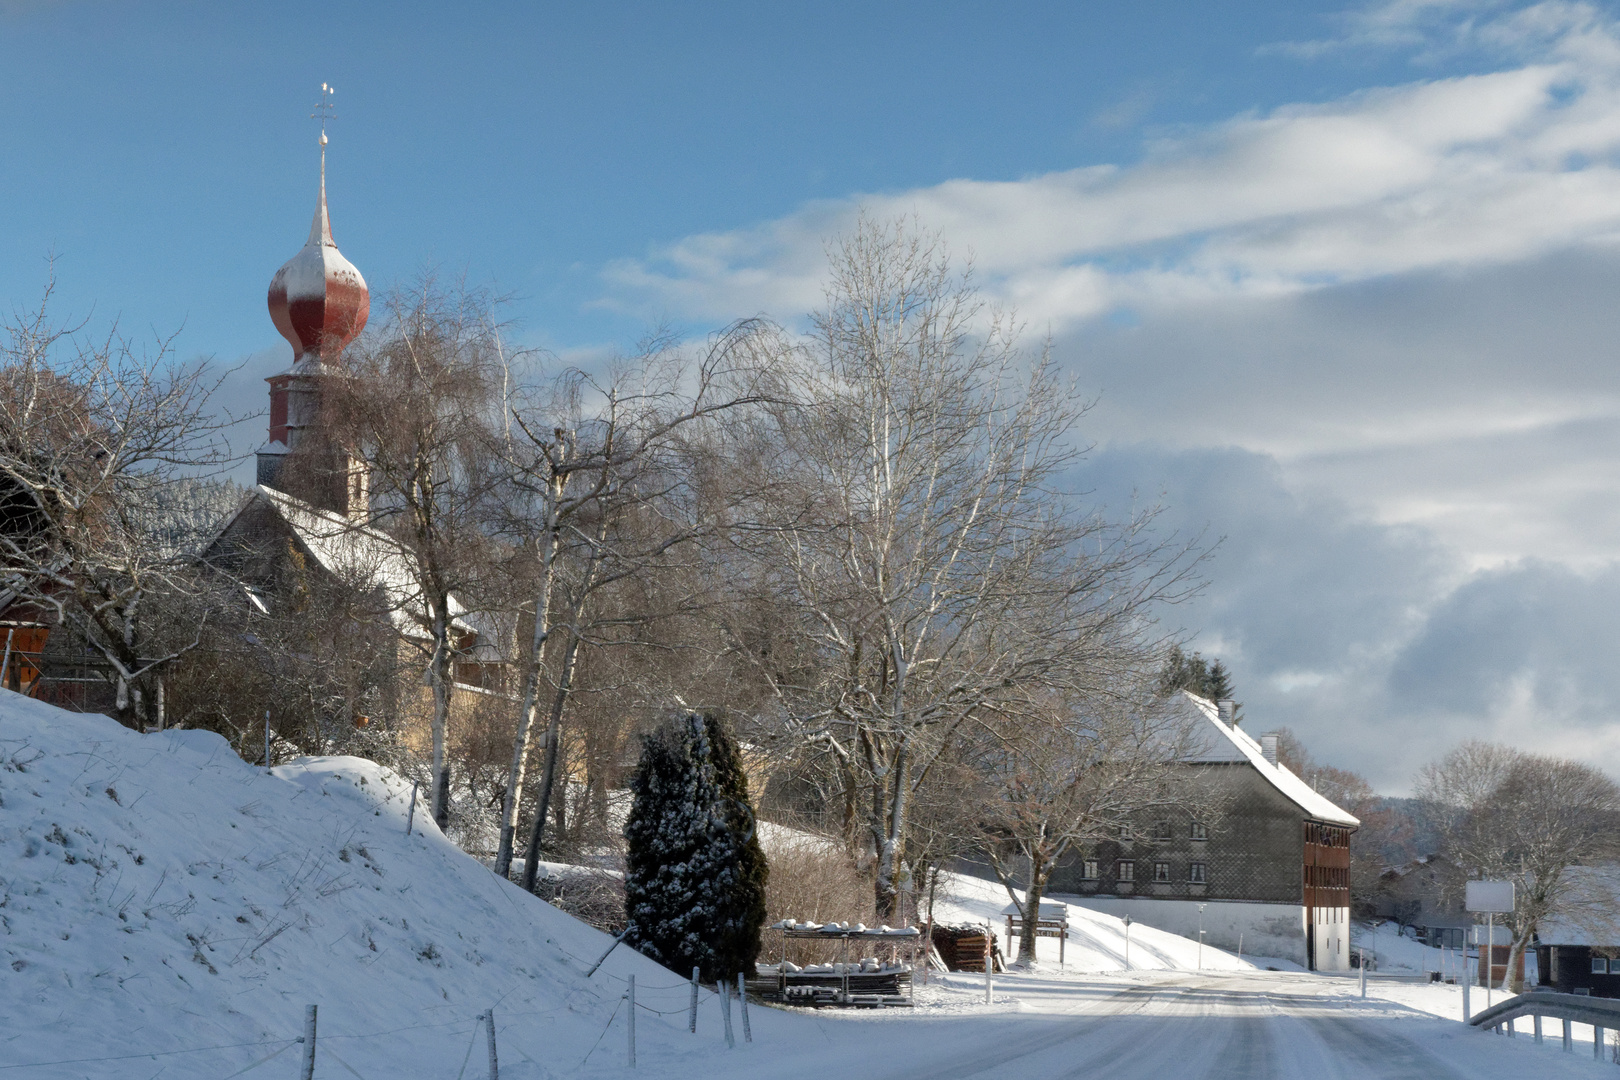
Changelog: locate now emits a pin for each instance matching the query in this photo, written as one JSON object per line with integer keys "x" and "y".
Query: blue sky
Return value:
{"x": 163, "y": 151}
{"x": 1342, "y": 275}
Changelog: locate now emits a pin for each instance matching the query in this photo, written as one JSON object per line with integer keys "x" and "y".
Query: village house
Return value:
{"x": 1270, "y": 878}
{"x": 1578, "y": 950}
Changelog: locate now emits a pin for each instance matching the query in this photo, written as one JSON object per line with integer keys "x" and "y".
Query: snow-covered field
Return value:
{"x": 1096, "y": 941}
{"x": 1395, "y": 951}
{"x": 167, "y": 911}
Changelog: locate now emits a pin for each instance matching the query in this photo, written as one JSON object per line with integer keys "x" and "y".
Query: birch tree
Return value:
{"x": 418, "y": 406}
{"x": 923, "y": 546}
{"x": 606, "y": 489}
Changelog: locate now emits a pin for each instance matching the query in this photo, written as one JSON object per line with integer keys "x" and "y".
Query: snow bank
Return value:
{"x": 166, "y": 909}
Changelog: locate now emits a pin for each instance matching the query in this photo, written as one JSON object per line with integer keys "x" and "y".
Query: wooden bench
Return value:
{"x": 1053, "y": 922}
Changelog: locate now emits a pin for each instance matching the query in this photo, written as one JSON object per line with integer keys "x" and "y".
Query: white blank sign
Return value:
{"x": 1490, "y": 896}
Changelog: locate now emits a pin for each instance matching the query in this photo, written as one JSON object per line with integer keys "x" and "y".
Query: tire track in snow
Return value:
{"x": 1127, "y": 1002}
{"x": 1355, "y": 1046}
{"x": 1250, "y": 1049}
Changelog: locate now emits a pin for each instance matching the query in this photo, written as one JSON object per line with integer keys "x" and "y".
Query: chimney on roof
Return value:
{"x": 1227, "y": 710}
{"x": 1268, "y": 746}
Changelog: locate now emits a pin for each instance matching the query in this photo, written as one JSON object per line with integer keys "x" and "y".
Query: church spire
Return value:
{"x": 318, "y": 300}
{"x": 320, "y": 230}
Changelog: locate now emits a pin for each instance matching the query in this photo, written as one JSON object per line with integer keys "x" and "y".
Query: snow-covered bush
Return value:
{"x": 695, "y": 874}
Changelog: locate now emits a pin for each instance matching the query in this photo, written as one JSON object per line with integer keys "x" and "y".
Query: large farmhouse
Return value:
{"x": 1271, "y": 878}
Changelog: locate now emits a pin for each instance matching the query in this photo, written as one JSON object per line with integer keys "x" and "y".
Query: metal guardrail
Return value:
{"x": 1602, "y": 1013}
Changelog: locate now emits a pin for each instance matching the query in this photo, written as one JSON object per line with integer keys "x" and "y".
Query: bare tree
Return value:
{"x": 94, "y": 438}
{"x": 1525, "y": 818}
{"x": 418, "y": 406}
{"x": 607, "y": 490}
{"x": 1073, "y": 772}
{"x": 922, "y": 550}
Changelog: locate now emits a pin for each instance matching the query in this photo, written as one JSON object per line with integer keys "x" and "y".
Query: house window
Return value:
{"x": 1088, "y": 869}
{"x": 1126, "y": 870}
{"x": 1161, "y": 871}
{"x": 1197, "y": 873}
{"x": 1161, "y": 830}
{"x": 1125, "y": 832}
{"x": 1200, "y": 831}
{"x": 1600, "y": 965}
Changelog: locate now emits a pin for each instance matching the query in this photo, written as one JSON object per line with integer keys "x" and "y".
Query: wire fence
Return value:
{"x": 316, "y": 1048}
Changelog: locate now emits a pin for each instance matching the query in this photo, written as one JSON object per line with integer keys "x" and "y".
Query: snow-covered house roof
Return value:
{"x": 353, "y": 552}
{"x": 1591, "y": 909}
{"x": 1230, "y": 743}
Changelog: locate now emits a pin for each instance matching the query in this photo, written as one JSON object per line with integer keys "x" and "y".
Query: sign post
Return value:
{"x": 1465, "y": 980}
{"x": 1127, "y": 943}
{"x": 1488, "y": 898}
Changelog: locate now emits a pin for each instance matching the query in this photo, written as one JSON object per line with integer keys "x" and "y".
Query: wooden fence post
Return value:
{"x": 692, "y": 1012}
{"x": 725, "y": 1008}
{"x": 308, "y": 1071}
{"x": 494, "y": 1065}
{"x": 632, "y": 1024}
{"x": 742, "y": 999}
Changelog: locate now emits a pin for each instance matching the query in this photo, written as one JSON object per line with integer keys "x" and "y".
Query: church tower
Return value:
{"x": 319, "y": 302}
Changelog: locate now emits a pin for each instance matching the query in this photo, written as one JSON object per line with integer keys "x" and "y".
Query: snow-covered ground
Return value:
{"x": 1096, "y": 941}
{"x": 1395, "y": 951}
{"x": 167, "y": 911}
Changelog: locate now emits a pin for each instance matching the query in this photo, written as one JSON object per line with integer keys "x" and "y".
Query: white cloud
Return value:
{"x": 1454, "y": 172}
{"x": 1372, "y": 344}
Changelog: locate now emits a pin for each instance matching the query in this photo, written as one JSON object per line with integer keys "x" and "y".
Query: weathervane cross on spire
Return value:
{"x": 325, "y": 109}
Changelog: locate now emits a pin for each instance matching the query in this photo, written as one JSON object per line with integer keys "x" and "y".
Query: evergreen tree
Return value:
{"x": 1183, "y": 672}
{"x": 695, "y": 876}
{"x": 1208, "y": 679}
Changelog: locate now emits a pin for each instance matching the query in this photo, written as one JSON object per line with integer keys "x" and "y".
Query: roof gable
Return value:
{"x": 1230, "y": 743}
{"x": 351, "y": 552}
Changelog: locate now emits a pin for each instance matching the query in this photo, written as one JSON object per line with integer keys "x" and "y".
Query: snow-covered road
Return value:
{"x": 1162, "y": 1025}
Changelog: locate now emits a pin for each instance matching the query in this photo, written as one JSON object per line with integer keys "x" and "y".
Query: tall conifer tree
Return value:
{"x": 695, "y": 875}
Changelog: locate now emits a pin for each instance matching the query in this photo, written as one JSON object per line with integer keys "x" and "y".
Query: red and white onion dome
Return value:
{"x": 318, "y": 300}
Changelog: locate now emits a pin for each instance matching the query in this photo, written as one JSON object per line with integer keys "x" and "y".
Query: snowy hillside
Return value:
{"x": 166, "y": 909}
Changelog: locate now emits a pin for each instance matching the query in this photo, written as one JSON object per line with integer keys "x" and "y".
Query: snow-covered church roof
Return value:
{"x": 1230, "y": 743}
{"x": 354, "y": 552}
